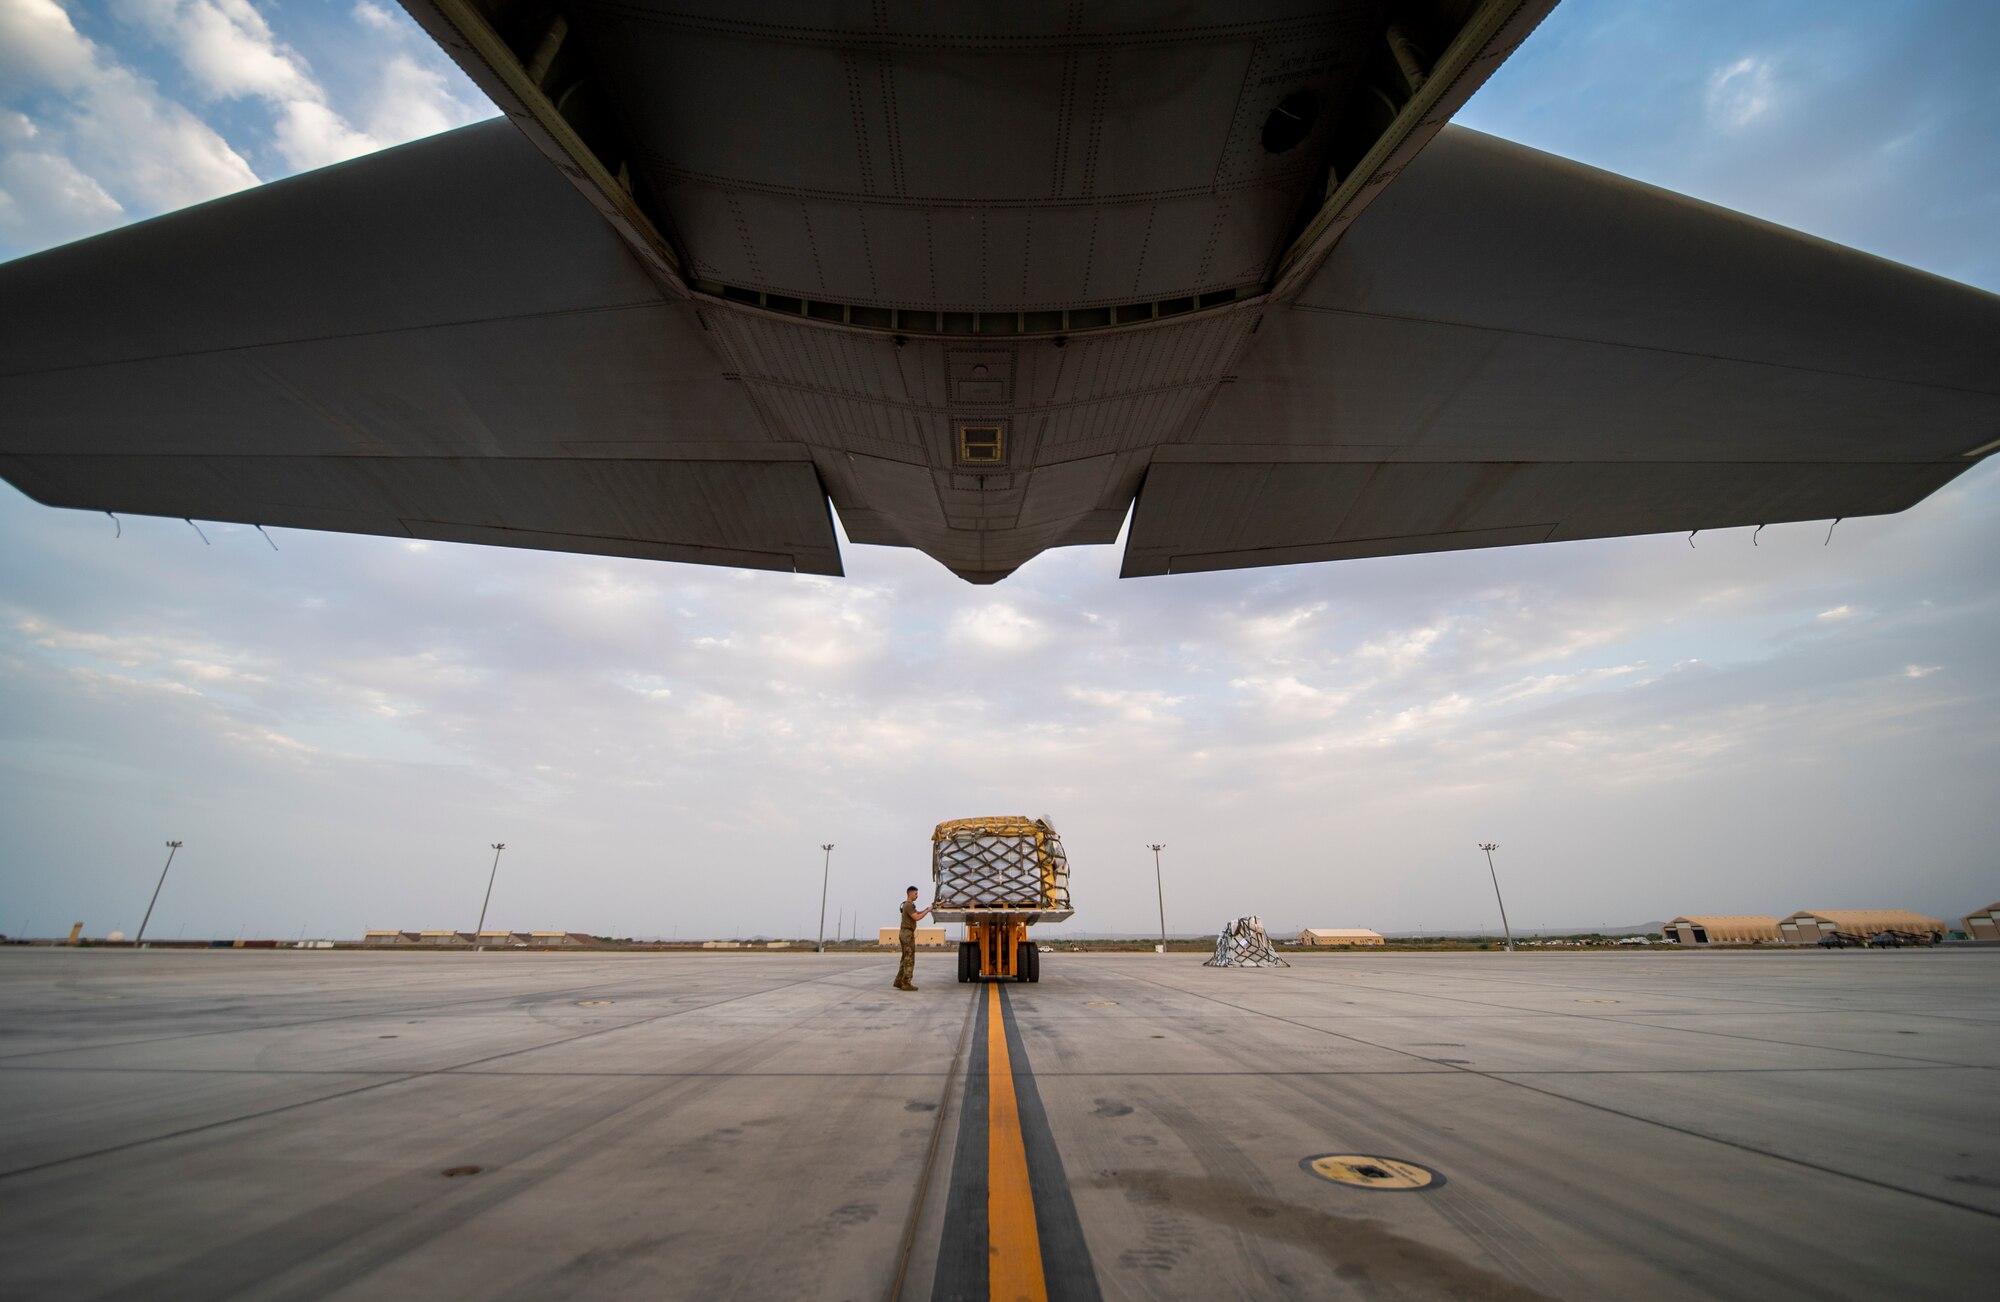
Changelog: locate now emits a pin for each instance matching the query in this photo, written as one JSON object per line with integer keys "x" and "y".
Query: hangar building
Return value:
{"x": 1339, "y": 936}
{"x": 1983, "y": 924}
{"x": 1809, "y": 926}
{"x": 1722, "y": 929}
{"x": 931, "y": 936}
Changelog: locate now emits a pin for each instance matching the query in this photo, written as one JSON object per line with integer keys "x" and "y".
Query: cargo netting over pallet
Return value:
{"x": 1244, "y": 944}
{"x": 999, "y": 863}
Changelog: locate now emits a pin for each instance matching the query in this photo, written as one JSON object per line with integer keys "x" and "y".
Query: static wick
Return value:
{"x": 1753, "y": 534}
{"x": 1830, "y": 528}
{"x": 267, "y": 537}
{"x": 197, "y": 532}
{"x": 121, "y": 526}
{"x": 1691, "y": 534}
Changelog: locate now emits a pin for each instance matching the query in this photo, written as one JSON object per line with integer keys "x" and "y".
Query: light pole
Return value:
{"x": 1489, "y": 847}
{"x": 1163, "y": 893}
{"x": 136, "y": 941}
{"x": 825, "y": 868}
{"x": 498, "y": 846}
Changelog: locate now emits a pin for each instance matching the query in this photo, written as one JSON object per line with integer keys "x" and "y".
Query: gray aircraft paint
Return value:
{"x": 1472, "y": 345}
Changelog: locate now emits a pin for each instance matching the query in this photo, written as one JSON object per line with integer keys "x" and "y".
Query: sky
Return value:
{"x": 338, "y": 727}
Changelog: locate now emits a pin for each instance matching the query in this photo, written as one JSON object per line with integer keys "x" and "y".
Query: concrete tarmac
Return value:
{"x": 263, "y": 1124}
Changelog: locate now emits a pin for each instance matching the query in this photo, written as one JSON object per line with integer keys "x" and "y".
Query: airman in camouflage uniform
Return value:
{"x": 908, "y": 938}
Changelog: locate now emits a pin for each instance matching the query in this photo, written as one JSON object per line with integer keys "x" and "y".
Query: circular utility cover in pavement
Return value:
{"x": 453, "y": 1172}
{"x": 1365, "y": 1172}
{"x": 1101, "y": 1003}
{"x": 591, "y": 1003}
{"x": 1597, "y": 1001}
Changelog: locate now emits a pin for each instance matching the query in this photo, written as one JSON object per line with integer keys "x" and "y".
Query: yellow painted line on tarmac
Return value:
{"x": 1014, "y": 1249}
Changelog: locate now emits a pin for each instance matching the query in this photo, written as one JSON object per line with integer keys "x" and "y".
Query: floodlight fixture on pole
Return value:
{"x": 137, "y": 941}
{"x": 825, "y": 867}
{"x": 1489, "y": 847}
{"x": 498, "y": 846}
{"x": 1157, "y": 886}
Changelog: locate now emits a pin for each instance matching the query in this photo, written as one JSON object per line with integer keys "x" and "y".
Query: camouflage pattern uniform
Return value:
{"x": 908, "y": 940}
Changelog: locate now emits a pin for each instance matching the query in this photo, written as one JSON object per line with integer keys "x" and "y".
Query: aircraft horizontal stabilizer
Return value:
{"x": 443, "y": 340}
{"x": 1509, "y": 347}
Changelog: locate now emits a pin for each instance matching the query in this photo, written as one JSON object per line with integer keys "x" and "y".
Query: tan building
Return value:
{"x": 549, "y": 939}
{"x": 1722, "y": 929}
{"x": 927, "y": 937}
{"x": 1809, "y": 926}
{"x": 1339, "y": 936}
{"x": 1983, "y": 924}
{"x": 375, "y": 937}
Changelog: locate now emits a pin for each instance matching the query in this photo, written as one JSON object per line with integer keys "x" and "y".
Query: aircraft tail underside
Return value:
{"x": 1274, "y": 318}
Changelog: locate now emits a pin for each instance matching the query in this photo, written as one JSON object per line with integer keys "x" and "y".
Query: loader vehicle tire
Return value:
{"x": 1024, "y": 955}
{"x": 967, "y": 957}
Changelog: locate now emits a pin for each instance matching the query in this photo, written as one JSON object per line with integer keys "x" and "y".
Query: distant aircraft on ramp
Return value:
{"x": 988, "y": 278}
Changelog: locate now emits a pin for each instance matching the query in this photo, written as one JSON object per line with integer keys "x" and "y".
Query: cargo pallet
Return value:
{"x": 999, "y": 876}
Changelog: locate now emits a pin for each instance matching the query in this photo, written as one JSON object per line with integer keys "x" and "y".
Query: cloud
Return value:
{"x": 90, "y": 134}
{"x": 1279, "y": 631}
{"x": 411, "y": 100}
{"x": 1144, "y": 706}
{"x": 1285, "y": 696}
{"x": 226, "y": 46}
{"x": 579, "y": 706}
{"x": 44, "y": 197}
{"x": 1827, "y": 125}
{"x": 109, "y": 137}
{"x": 1403, "y": 650}
{"x": 1741, "y": 92}
{"x": 341, "y": 727}
{"x": 230, "y": 52}
{"x": 997, "y": 626}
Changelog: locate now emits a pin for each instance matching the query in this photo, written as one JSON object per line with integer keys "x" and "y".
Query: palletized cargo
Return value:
{"x": 1243, "y": 943}
{"x": 998, "y": 876}
{"x": 1007, "y": 862}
